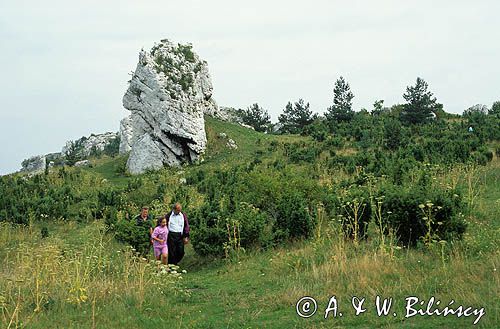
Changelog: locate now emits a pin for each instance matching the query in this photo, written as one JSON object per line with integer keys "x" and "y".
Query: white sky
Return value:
{"x": 65, "y": 64}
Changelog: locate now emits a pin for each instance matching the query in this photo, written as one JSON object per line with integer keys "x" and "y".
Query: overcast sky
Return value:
{"x": 65, "y": 64}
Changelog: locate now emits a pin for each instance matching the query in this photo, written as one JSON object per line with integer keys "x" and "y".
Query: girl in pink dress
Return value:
{"x": 159, "y": 237}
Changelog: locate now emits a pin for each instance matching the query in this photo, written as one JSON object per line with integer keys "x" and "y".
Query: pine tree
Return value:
{"x": 256, "y": 117}
{"x": 74, "y": 152}
{"x": 378, "y": 107}
{"x": 421, "y": 103}
{"x": 341, "y": 110}
{"x": 296, "y": 117}
{"x": 495, "y": 109}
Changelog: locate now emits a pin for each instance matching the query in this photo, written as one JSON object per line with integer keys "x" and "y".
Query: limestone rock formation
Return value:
{"x": 125, "y": 135}
{"x": 82, "y": 163}
{"x": 35, "y": 164}
{"x": 168, "y": 95}
{"x": 95, "y": 142}
{"x": 231, "y": 144}
{"x": 79, "y": 149}
{"x": 227, "y": 113}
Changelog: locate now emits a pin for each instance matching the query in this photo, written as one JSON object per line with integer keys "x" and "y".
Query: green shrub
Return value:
{"x": 487, "y": 154}
{"x": 293, "y": 219}
{"x": 44, "y": 232}
{"x": 267, "y": 205}
{"x": 336, "y": 142}
{"x": 127, "y": 231}
{"x": 209, "y": 240}
{"x": 403, "y": 212}
{"x": 303, "y": 154}
{"x": 251, "y": 222}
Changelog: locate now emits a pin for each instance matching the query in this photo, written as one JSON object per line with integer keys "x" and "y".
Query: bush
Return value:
{"x": 486, "y": 154}
{"x": 209, "y": 240}
{"x": 403, "y": 213}
{"x": 305, "y": 154}
{"x": 293, "y": 219}
{"x": 44, "y": 232}
{"x": 127, "y": 231}
{"x": 266, "y": 207}
{"x": 336, "y": 142}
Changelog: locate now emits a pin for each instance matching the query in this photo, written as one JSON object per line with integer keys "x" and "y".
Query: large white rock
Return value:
{"x": 146, "y": 155}
{"x": 168, "y": 94}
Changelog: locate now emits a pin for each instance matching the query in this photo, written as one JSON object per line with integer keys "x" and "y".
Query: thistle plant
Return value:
{"x": 378, "y": 217}
{"x": 77, "y": 291}
{"x": 234, "y": 240}
{"x": 472, "y": 181}
{"x": 320, "y": 209}
{"x": 354, "y": 210}
{"x": 429, "y": 211}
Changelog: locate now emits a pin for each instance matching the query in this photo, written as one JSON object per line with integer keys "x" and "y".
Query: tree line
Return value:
{"x": 297, "y": 117}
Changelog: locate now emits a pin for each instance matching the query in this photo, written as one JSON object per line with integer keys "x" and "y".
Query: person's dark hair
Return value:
{"x": 159, "y": 219}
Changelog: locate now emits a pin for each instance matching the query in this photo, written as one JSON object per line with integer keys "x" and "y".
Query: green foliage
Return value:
{"x": 403, "y": 212}
{"x": 137, "y": 236}
{"x": 354, "y": 211}
{"x": 112, "y": 148}
{"x": 302, "y": 153}
{"x": 44, "y": 232}
{"x": 293, "y": 218}
{"x": 165, "y": 63}
{"x": 317, "y": 130}
{"x": 495, "y": 109}
{"x": 268, "y": 189}
{"x": 186, "y": 51}
{"x": 341, "y": 110}
{"x": 392, "y": 134}
{"x": 296, "y": 117}
{"x": 74, "y": 151}
{"x": 378, "y": 107}
{"x": 265, "y": 205}
{"x": 421, "y": 104}
{"x": 256, "y": 117}
{"x": 484, "y": 122}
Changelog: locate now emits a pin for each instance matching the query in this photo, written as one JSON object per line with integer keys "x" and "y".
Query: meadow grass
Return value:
{"x": 79, "y": 277}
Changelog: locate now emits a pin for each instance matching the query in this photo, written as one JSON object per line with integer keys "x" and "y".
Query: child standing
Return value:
{"x": 159, "y": 237}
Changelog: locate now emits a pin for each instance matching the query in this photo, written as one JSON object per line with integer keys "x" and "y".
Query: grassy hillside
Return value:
{"x": 63, "y": 273}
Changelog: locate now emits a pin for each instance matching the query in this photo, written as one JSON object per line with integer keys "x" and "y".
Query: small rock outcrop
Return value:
{"x": 225, "y": 113}
{"x": 231, "y": 144}
{"x": 82, "y": 163}
{"x": 35, "y": 164}
{"x": 96, "y": 142}
{"x": 72, "y": 152}
{"x": 167, "y": 96}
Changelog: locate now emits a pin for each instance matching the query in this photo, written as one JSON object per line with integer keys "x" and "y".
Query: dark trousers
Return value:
{"x": 175, "y": 247}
